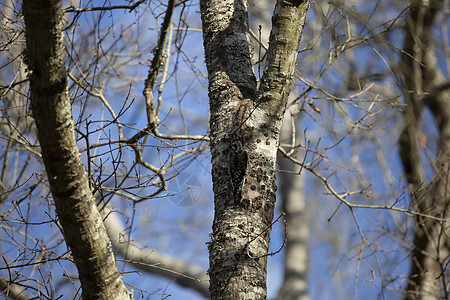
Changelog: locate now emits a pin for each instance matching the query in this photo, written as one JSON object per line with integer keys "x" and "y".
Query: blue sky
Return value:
{"x": 182, "y": 230}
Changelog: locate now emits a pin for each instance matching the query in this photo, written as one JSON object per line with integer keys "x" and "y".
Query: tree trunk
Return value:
{"x": 81, "y": 222}
{"x": 292, "y": 190}
{"x": 244, "y": 130}
{"x": 424, "y": 86}
{"x": 296, "y": 258}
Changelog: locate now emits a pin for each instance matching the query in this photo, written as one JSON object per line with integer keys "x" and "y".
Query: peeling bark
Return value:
{"x": 84, "y": 231}
{"x": 242, "y": 113}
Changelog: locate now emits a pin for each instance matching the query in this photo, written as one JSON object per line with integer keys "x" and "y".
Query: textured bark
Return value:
{"x": 242, "y": 113}
{"x": 296, "y": 256}
{"x": 424, "y": 86}
{"x": 82, "y": 224}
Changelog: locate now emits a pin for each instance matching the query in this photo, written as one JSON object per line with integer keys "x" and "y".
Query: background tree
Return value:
{"x": 424, "y": 86}
{"x": 368, "y": 131}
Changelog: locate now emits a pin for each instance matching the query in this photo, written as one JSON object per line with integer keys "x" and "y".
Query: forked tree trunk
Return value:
{"x": 247, "y": 119}
{"x": 81, "y": 222}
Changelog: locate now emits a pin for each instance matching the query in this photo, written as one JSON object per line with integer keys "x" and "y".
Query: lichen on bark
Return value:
{"x": 241, "y": 229}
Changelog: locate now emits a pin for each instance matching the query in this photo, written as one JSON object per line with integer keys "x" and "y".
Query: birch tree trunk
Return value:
{"x": 81, "y": 222}
{"x": 292, "y": 190}
{"x": 247, "y": 119}
{"x": 425, "y": 86}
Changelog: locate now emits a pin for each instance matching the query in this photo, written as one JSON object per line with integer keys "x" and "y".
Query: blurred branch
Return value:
{"x": 13, "y": 291}
{"x": 152, "y": 261}
{"x": 341, "y": 196}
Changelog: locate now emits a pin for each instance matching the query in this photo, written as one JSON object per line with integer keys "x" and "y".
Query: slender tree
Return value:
{"x": 424, "y": 86}
{"x": 81, "y": 222}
